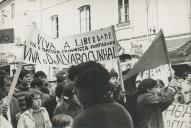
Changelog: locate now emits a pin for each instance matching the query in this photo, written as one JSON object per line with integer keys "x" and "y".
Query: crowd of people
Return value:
{"x": 88, "y": 97}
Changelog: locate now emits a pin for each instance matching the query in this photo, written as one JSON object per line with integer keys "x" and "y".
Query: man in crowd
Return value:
{"x": 8, "y": 111}
{"x": 92, "y": 84}
{"x": 22, "y": 88}
{"x": 41, "y": 75}
{"x": 151, "y": 103}
{"x": 68, "y": 103}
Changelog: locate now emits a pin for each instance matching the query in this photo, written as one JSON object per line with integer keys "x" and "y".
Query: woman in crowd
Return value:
{"x": 35, "y": 116}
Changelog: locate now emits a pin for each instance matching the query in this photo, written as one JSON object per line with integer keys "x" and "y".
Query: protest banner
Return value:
{"x": 162, "y": 72}
{"x": 6, "y": 36}
{"x": 98, "y": 45}
{"x": 177, "y": 116}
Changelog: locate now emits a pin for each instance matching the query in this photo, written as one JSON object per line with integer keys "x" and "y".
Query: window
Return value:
{"x": 55, "y": 26}
{"x": 2, "y": 16}
{"x": 85, "y": 18}
{"x": 123, "y": 10}
{"x": 12, "y": 10}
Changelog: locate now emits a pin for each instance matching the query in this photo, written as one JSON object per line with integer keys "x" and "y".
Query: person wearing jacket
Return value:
{"x": 91, "y": 87}
{"x": 35, "y": 116}
{"x": 4, "y": 123}
{"x": 151, "y": 104}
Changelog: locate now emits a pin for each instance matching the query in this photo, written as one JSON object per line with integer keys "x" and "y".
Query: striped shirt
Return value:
{"x": 19, "y": 94}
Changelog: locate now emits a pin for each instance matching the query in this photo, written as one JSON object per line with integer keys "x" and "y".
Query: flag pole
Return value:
{"x": 148, "y": 39}
{"x": 13, "y": 84}
{"x": 118, "y": 63}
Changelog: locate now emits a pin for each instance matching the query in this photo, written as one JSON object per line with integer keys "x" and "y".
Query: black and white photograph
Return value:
{"x": 95, "y": 63}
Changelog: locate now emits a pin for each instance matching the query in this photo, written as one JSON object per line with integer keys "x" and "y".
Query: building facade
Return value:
{"x": 134, "y": 20}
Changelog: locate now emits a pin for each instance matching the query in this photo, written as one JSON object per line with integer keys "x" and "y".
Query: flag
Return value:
{"x": 156, "y": 55}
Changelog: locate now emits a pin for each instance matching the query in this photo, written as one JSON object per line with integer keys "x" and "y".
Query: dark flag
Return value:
{"x": 155, "y": 56}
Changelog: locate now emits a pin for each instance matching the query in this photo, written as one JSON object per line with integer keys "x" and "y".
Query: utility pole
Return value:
{"x": 147, "y": 12}
{"x": 41, "y": 15}
{"x": 190, "y": 15}
{"x": 148, "y": 38}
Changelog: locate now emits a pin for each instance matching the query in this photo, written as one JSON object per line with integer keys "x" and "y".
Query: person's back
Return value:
{"x": 149, "y": 112}
{"x": 91, "y": 88}
{"x": 104, "y": 115}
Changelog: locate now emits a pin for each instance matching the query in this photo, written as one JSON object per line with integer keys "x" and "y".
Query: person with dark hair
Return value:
{"x": 113, "y": 77}
{"x": 37, "y": 84}
{"x": 68, "y": 104}
{"x": 92, "y": 84}
{"x": 151, "y": 104}
{"x": 41, "y": 75}
{"x": 8, "y": 111}
{"x": 22, "y": 88}
{"x": 35, "y": 116}
{"x": 116, "y": 87}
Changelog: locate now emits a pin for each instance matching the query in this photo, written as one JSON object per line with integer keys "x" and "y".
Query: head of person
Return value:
{"x": 62, "y": 121}
{"x": 92, "y": 83}
{"x": 68, "y": 91}
{"x": 37, "y": 83}
{"x": 113, "y": 76}
{"x": 24, "y": 78}
{"x": 61, "y": 77}
{"x": 75, "y": 70}
{"x": 41, "y": 75}
{"x": 147, "y": 85}
{"x": 59, "y": 91}
{"x": 160, "y": 83}
{"x": 125, "y": 61}
{"x": 5, "y": 83}
{"x": 33, "y": 99}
